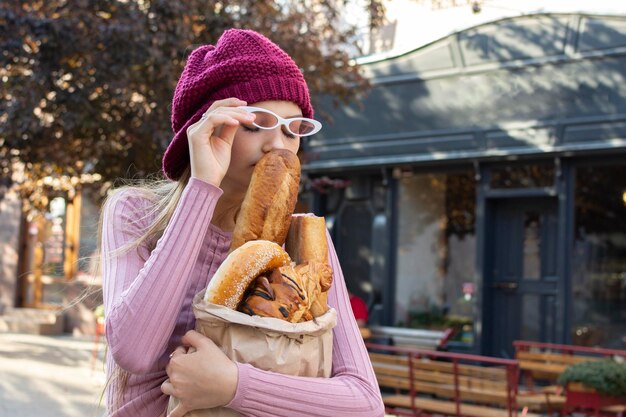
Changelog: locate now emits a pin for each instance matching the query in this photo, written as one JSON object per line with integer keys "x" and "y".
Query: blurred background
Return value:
{"x": 471, "y": 167}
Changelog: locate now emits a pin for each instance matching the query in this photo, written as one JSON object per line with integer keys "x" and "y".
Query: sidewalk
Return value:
{"x": 49, "y": 376}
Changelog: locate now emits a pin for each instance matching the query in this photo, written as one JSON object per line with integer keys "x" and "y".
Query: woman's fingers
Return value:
{"x": 197, "y": 340}
{"x": 230, "y": 116}
{"x": 178, "y": 350}
{"x": 192, "y": 375}
{"x": 168, "y": 389}
{"x": 227, "y": 102}
{"x": 211, "y": 138}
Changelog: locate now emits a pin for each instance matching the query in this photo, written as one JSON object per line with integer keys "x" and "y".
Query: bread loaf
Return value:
{"x": 306, "y": 239}
{"x": 307, "y": 246}
{"x": 270, "y": 200}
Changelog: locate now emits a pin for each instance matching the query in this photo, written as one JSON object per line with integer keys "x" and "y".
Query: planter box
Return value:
{"x": 579, "y": 395}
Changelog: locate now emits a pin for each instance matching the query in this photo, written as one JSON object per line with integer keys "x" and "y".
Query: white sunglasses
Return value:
{"x": 297, "y": 126}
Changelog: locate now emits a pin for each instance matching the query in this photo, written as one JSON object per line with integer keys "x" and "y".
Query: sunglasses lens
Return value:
{"x": 302, "y": 127}
{"x": 265, "y": 120}
{"x": 299, "y": 126}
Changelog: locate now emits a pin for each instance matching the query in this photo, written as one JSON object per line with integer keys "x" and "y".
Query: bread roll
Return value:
{"x": 240, "y": 268}
{"x": 270, "y": 200}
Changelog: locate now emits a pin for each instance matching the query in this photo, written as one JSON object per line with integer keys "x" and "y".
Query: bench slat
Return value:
{"x": 495, "y": 373}
{"x": 443, "y": 378}
{"x": 477, "y": 395}
{"x": 386, "y": 366}
{"x": 389, "y": 359}
{"x": 464, "y": 381}
{"x": 391, "y": 382}
{"x": 485, "y": 394}
{"x": 446, "y": 407}
{"x": 542, "y": 370}
{"x": 437, "y": 378}
{"x": 483, "y": 390}
{"x": 449, "y": 380}
{"x": 546, "y": 357}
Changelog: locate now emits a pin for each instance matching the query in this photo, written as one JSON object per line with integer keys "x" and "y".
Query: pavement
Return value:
{"x": 50, "y": 376}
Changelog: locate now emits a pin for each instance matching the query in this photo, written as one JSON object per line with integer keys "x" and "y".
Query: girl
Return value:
{"x": 162, "y": 244}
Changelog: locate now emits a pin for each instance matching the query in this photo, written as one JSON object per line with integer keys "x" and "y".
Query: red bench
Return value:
{"x": 416, "y": 382}
{"x": 542, "y": 363}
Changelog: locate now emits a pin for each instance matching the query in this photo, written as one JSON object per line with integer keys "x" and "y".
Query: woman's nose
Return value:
{"x": 273, "y": 139}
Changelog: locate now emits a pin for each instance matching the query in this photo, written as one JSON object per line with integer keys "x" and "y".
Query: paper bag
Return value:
{"x": 299, "y": 349}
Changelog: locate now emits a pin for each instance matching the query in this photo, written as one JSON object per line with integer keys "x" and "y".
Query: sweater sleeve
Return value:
{"x": 352, "y": 390}
{"x": 144, "y": 291}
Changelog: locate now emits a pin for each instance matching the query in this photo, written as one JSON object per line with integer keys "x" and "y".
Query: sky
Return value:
{"x": 419, "y": 22}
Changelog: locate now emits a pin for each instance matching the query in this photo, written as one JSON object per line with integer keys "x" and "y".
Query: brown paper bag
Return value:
{"x": 299, "y": 349}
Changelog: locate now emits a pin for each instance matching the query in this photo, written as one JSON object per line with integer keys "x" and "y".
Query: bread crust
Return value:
{"x": 270, "y": 199}
{"x": 306, "y": 239}
{"x": 240, "y": 268}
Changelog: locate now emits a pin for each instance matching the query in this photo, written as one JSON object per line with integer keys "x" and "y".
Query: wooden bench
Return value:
{"x": 544, "y": 362}
{"x": 416, "y": 381}
{"x": 541, "y": 364}
{"x": 414, "y": 338}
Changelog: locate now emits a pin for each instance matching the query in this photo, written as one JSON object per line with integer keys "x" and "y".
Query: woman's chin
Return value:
{"x": 240, "y": 186}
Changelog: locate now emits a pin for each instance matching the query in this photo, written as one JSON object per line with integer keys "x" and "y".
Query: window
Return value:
{"x": 435, "y": 286}
{"x": 599, "y": 261}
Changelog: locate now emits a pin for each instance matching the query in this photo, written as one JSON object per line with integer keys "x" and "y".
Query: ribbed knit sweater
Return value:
{"x": 148, "y": 296}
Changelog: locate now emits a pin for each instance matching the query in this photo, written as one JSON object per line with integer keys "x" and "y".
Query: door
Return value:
{"x": 521, "y": 273}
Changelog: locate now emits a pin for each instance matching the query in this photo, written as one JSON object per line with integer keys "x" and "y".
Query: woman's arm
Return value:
{"x": 351, "y": 391}
{"x": 204, "y": 378}
{"x": 143, "y": 298}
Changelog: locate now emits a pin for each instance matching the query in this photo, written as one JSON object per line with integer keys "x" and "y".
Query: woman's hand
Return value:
{"x": 211, "y": 138}
{"x": 204, "y": 378}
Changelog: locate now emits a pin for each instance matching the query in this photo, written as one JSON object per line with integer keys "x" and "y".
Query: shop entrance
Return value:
{"x": 50, "y": 253}
{"x": 521, "y": 278}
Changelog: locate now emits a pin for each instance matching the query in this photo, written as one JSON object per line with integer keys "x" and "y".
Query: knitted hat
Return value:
{"x": 244, "y": 64}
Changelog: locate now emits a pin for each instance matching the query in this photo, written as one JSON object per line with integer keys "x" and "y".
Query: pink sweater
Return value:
{"x": 148, "y": 295}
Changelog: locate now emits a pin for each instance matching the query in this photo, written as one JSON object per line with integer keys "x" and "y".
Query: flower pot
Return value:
{"x": 579, "y": 395}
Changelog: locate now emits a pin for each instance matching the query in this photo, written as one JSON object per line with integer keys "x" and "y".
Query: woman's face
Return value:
{"x": 251, "y": 143}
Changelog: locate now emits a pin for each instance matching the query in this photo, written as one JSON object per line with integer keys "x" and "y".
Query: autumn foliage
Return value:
{"x": 87, "y": 84}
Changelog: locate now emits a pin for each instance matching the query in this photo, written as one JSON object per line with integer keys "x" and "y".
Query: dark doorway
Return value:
{"x": 520, "y": 273}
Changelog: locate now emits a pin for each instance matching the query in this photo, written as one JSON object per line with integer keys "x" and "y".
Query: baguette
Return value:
{"x": 270, "y": 199}
{"x": 307, "y": 246}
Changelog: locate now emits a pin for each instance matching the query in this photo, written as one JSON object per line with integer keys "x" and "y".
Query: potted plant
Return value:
{"x": 99, "y": 314}
{"x": 594, "y": 384}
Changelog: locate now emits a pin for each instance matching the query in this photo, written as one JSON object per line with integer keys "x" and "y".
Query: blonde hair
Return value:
{"x": 163, "y": 196}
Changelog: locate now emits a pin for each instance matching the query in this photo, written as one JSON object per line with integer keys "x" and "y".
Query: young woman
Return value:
{"x": 162, "y": 243}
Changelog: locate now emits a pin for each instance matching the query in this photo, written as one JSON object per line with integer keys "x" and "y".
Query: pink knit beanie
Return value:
{"x": 244, "y": 64}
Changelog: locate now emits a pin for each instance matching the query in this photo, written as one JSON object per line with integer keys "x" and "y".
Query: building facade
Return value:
{"x": 481, "y": 184}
